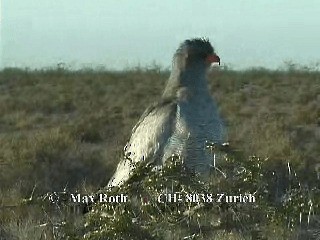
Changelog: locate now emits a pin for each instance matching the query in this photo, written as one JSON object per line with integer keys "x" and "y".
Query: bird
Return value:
{"x": 181, "y": 122}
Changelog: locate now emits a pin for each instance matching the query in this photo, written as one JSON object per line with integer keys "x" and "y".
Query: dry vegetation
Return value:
{"x": 66, "y": 129}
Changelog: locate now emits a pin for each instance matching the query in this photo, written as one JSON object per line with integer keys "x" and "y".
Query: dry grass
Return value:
{"x": 63, "y": 128}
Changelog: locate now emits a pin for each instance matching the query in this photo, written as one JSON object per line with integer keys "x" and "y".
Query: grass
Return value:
{"x": 63, "y": 129}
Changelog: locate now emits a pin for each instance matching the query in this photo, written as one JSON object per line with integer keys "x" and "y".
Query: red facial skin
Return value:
{"x": 213, "y": 59}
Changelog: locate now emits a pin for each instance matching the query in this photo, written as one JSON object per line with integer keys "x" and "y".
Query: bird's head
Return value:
{"x": 195, "y": 51}
{"x": 190, "y": 64}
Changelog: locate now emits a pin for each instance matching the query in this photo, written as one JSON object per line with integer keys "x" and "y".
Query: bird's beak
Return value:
{"x": 213, "y": 58}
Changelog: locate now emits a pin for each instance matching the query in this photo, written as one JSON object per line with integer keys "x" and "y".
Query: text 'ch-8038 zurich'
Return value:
{"x": 182, "y": 121}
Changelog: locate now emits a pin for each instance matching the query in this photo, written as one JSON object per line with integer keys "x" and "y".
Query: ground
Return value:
{"x": 63, "y": 129}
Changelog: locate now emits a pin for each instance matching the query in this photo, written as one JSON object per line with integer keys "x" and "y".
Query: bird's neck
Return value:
{"x": 193, "y": 78}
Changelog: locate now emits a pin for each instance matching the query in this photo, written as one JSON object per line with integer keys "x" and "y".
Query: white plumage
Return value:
{"x": 182, "y": 121}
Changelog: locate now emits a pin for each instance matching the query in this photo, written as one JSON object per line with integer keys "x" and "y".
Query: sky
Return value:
{"x": 118, "y": 34}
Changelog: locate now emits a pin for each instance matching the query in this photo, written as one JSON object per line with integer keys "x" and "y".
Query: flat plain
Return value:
{"x": 63, "y": 129}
